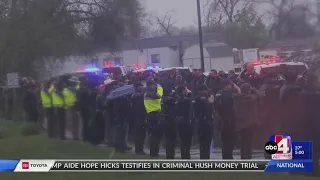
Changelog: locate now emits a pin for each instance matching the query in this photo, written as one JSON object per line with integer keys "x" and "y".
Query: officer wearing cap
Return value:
{"x": 152, "y": 104}
{"x": 224, "y": 104}
{"x": 70, "y": 96}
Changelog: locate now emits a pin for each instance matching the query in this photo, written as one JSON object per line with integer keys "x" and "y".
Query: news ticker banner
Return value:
{"x": 34, "y": 165}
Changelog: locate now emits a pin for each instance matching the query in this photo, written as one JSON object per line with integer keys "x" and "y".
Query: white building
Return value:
{"x": 217, "y": 56}
{"x": 163, "y": 51}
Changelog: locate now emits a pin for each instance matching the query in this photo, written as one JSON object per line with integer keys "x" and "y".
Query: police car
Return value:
{"x": 90, "y": 73}
{"x": 115, "y": 70}
{"x": 181, "y": 69}
{"x": 260, "y": 68}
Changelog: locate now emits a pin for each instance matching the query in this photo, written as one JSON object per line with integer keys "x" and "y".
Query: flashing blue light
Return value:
{"x": 92, "y": 69}
{"x": 149, "y": 67}
{"x": 157, "y": 66}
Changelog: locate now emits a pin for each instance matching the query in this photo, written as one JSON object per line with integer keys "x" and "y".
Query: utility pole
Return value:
{"x": 200, "y": 35}
{"x": 318, "y": 17}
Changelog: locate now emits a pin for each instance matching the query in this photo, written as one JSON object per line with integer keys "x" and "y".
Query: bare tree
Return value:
{"x": 212, "y": 14}
{"x": 229, "y": 8}
{"x": 289, "y": 19}
{"x": 221, "y": 11}
{"x": 166, "y": 23}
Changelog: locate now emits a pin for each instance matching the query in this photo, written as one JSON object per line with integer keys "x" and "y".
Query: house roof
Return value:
{"x": 168, "y": 41}
{"x": 218, "y": 49}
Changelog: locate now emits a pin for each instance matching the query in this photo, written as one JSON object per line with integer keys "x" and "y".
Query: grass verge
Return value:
{"x": 16, "y": 146}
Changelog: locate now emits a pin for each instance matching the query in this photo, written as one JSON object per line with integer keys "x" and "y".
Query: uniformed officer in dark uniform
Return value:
{"x": 120, "y": 106}
{"x": 170, "y": 124}
{"x": 184, "y": 120}
{"x": 203, "y": 113}
{"x": 224, "y": 103}
{"x": 138, "y": 115}
{"x": 307, "y": 127}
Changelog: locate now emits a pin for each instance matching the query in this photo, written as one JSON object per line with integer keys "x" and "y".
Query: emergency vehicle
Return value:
{"x": 111, "y": 69}
{"x": 181, "y": 69}
{"x": 88, "y": 72}
{"x": 259, "y": 68}
{"x": 244, "y": 56}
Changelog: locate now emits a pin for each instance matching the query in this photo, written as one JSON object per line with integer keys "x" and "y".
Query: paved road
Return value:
{"x": 195, "y": 153}
{"x": 216, "y": 154}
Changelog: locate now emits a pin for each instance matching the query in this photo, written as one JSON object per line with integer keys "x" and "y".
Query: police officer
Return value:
{"x": 184, "y": 120}
{"x": 70, "y": 96}
{"x": 159, "y": 87}
{"x": 224, "y": 104}
{"x": 51, "y": 88}
{"x": 170, "y": 124}
{"x": 59, "y": 110}
{"x": 307, "y": 126}
{"x": 46, "y": 101}
{"x": 152, "y": 103}
{"x": 203, "y": 112}
{"x": 138, "y": 115}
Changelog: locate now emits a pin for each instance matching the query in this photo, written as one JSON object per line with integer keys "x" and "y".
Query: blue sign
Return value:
{"x": 302, "y": 150}
{"x": 289, "y": 166}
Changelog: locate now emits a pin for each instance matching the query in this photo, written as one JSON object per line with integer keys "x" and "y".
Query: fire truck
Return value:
{"x": 244, "y": 56}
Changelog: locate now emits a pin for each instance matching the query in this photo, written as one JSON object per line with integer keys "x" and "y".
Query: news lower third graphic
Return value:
{"x": 155, "y": 165}
{"x": 295, "y": 156}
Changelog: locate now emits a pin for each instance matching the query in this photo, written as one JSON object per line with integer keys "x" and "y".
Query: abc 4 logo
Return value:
{"x": 271, "y": 147}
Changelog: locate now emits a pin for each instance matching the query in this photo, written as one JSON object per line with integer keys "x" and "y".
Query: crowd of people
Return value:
{"x": 177, "y": 107}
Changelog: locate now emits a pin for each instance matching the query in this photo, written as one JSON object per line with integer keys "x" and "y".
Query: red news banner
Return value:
{"x": 156, "y": 165}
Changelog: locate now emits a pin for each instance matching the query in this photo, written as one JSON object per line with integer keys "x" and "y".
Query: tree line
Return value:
{"x": 32, "y": 30}
{"x": 250, "y": 23}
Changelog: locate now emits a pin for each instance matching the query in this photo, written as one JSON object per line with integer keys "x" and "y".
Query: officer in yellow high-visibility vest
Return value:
{"x": 51, "y": 88}
{"x": 159, "y": 87}
{"x": 59, "y": 110}
{"x": 70, "y": 96}
{"x": 46, "y": 100}
{"x": 159, "y": 90}
{"x": 152, "y": 103}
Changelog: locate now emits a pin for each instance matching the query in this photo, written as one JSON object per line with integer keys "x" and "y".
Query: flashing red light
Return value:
{"x": 138, "y": 66}
{"x": 108, "y": 64}
{"x": 263, "y": 62}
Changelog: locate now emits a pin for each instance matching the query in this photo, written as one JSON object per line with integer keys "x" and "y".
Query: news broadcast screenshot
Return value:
{"x": 287, "y": 155}
{"x": 159, "y": 89}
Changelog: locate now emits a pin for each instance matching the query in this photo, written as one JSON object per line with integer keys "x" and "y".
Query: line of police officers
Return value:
{"x": 168, "y": 113}
{"x": 173, "y": 113}
{"x": 59, "y": 103}
{"x": 176, "y": 114}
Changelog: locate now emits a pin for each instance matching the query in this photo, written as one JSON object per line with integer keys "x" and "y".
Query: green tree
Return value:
{"x": 293, "y": 23}
{"x": 32, "y": 30}
{"x": 246, "y": 31}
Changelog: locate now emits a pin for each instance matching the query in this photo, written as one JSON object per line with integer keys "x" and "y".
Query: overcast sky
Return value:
{"x": 185, "y": 10}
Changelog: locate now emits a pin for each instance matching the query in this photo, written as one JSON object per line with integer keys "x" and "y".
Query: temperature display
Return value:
{"x": 302, "y": 150}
